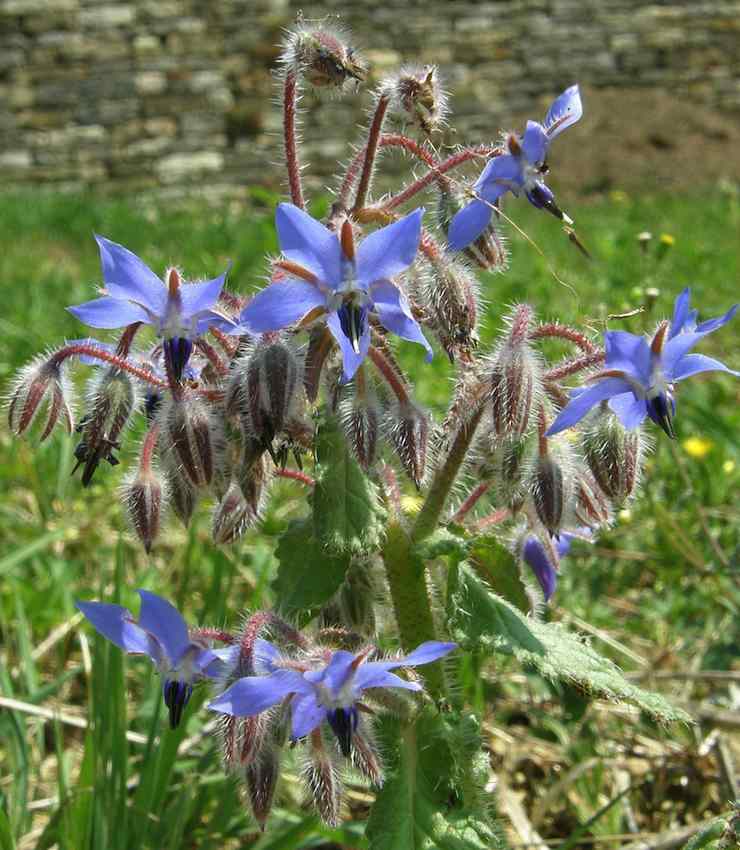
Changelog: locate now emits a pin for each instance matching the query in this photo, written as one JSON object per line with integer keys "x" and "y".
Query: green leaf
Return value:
{"x": 442, "y": 543}
{"x": 495, "y": 563}
{"x": 308, "y": 576}
{"x": 347, "y": 517}
{"x": 480, "y": 619}
{"x": 424, "y": 804}
{"x": 7, "y": 842}
{"x": 708, "y": 836}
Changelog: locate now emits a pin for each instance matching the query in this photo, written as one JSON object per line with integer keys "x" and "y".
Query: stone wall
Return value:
{"x": 150, "y": 94}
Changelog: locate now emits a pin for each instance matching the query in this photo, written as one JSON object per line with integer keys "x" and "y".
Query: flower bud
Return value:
{"x": 510, "y": 463}
{"x": 514, "y": 379}
{"x": 489, "y": 250}
{"x": 544, "y": 561}
{"x": 409, "y": 434}
{"x": 322, "y": 779}
{"x": 614, "y": 455}
{"x": 261, "y": 776}
{"x": 451, "y": 298}
{"x": 144, "y": 495}
{"x": 591, "y": 506}
{"x": 189, "y": 431}
{"x": 265, "y": 389}
{"x": 111, "y": 399}
{"x": 40, "y": 382}
{"x": 365, "y": 756}
{"x": 416, "y": 95}
{"x": 360, "y": 418}
{"x": 322, "y": 56}
{"x": 550, "y": 490}
{"x": 183, "y": 496}
{"x": 232, "y": 516}
{"x": 320, "y": 346}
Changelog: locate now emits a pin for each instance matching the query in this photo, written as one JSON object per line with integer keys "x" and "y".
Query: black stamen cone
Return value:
{"x": 177, "y": 351}
{"x": 661, "y": 411}
{"x": 352, "y": 321}
{"x": 343, "y": 722}
{"x": 176, "y": 696}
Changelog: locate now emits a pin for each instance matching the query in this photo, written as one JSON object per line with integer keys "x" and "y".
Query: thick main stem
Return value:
{"x": 407, "y": 582}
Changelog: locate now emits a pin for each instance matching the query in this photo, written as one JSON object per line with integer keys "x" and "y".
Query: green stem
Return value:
{"x": 410, "y": 596}
{"x": 428, "y": 518}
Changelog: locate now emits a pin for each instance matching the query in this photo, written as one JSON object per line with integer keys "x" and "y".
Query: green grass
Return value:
{"x": 660, "y": 588}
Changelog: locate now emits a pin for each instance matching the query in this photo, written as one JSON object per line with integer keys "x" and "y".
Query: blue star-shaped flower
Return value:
{"x": 162, "y": 634}
{"x": 178, "y": 311}
{"x": 520, "y": 170}
{"x": 639, "y": 375}
{"x": 327, "y": 276}
{"x": 330, "y": 694}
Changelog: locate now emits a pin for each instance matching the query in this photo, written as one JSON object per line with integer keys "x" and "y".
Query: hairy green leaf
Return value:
{"x": 307, "y": 574}
{"x": 346, "y": 512}
{"x": 480, "y": 619}
{"x": 494, "y": 562}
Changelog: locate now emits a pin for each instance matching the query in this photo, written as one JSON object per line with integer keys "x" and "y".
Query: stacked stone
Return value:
{"x": 152, "y": 94}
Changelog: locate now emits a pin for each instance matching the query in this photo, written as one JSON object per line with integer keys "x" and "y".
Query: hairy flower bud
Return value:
{"x": 361, "y": 419}
{"x": 514, "y": 378}
{"x": 144, "y": 496}
{"x": 183, "y": 496}
{"x": 322, "y": 56}
{"x": 417, "y": 96}
{"x": 41, "y": 382}
{"x": 550, "y": 490}
{"x": 613, "y": 454}
{"x": 591, "y": 506}
{"x": 451, "y": 299}
{"x": 322, "y": 779}
{"x": 265, "y": 389}
{"x": 510, "y": 462}
{"x": 189, "y": 431}
{"x": 111, "y": 399}
{"x": 408, "y": 431}
{"x": 352, "y": 606}
{"x": 365, "y": 756}
{"x": 489, "y": 250}
{"x": 232, "y": 517}
{"x": 261, "y": 776}
{"x": 320, "y": 345}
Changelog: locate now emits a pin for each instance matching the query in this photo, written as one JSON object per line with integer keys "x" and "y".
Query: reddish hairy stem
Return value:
{"x": 290, "y": 92}
{"x": 371, "y": 151}
{"x": 392, "y": 490}
{"x": 148, "y": 447}
{"x": 212, "y": 356}
{"x": 492, "y": 519}
{"x": 215, "y": 634}
{"x": 471, "y": 501}
{"x": 127, "y": 337}
{"x": 226, "y": 342}
{"x": 388, "y": 373}
{"x": 570, "y": 367}
{"x": 541, "y": 429}
{"x": 450, "y": 163}
{"x": 106, "y": 357}
{"x": 259, "y": 621}
{"x": 295, "y": 475}
{"x": 553, "y": 329}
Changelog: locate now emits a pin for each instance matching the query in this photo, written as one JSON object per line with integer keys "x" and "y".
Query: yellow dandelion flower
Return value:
{"x": 697, "y": 447}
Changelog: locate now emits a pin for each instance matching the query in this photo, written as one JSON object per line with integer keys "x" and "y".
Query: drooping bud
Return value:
{"x": 189, "y": 431}
{"x": 111, "y": 399}
{"x": 510, "y": 463}
{"x": 514, "y": 378}
{"x": 322, "y": 55}
{"x": 41, "y": 382}
{"x": 145, "y": 493}
{"x": 489, "y": 250}
{"x": 550, "y": 488}
{"x": 265, "y": 389}
{"x": 322, "y": 779}
{"x": 613, "y": 454}
{"x": 365, "y": 756}
{"x": 319, "y": 347}
{"x": 232, "y": 517}
{"x": 451, "y": 298}
{"x": 361, "y": 418}
{"x": 183, "y": 496}
{"x": 261, "y": 776}
{"x": 416, "y": 95}
{"x": 591, "y": 506}
{"x": 408, "y": 431}
{"x": 544, "y": 560}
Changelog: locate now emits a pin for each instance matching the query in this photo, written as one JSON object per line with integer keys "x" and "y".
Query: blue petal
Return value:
{"x": 264, "y": 656}
{"x": 677, "y": 348}
{"x": 336, "y": 672}
{"x": 375, "y": 675}
{"x": 628, "y": 353}
{"x": 680, "y": 313}
{"x": 215, "y": 319}
{"x": 713, "y": 324}
{"x": 307, "y": 714}
{"x": 255, "y": 694}
{"x": 109, "y": 312}
{"x": 395, "y": 314}
{"x": 425, "y": 653}
{"x": 126, "y": 277}
{"x": 692, "y": 364}
{"x": 534, "y": 143}
{"x": 564, "y": 112}
{"x": 116, "y": 623}
{"x": 545, "y": 572}
{"x": 162, "y": 620}
{"x": 578, "y": 407}
{"x": 468, "y": 224}
{"x": 389, "y": 251}
{"x": 280, "y": 305}
{"x": 307, "y": 242}
{"x": 197, "y": 297}
{"x": 503, "y": 170}
{"x": 630, "y": 410}
{"x": 351, "y": 360}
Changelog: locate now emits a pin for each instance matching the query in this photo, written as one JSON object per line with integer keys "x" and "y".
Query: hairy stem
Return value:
{"x": 571, "y": 367}
{"x": 553, "y": 329}
{"x": 290, "y": 99}
{"x": 389, "y": 374}
{"x": 471, "y": 501}
{"x": 295, "y": 475}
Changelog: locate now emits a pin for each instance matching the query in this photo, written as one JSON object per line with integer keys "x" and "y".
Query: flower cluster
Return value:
{"x": 306, "y": 687}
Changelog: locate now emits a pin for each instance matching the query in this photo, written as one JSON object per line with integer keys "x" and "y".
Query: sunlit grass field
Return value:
{"x": 658, "y": 593}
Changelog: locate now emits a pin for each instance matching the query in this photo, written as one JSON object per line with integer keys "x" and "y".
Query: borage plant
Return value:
{"x": 301, "y": 381}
